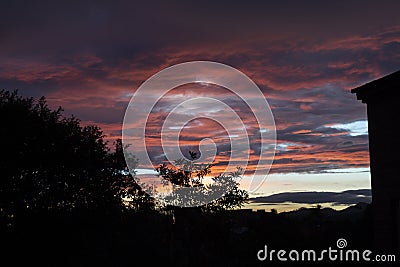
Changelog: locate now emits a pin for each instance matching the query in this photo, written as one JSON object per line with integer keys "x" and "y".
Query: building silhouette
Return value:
{"x": 383, "y": 115}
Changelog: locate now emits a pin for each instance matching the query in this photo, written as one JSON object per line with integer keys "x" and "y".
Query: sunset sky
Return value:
{"x": 305, "y": 56}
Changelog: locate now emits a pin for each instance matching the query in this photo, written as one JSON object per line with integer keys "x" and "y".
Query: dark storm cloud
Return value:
{"x": 115, "y": 29}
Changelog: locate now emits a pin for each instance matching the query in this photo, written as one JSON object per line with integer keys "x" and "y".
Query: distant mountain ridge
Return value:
{"x": 340, "y": 198}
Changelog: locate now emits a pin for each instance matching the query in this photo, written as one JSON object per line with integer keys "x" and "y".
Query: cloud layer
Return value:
{"x": 90, "y": 58}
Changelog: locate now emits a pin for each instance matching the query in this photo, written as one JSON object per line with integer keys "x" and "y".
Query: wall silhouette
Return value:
{"x": 383, "y": 119}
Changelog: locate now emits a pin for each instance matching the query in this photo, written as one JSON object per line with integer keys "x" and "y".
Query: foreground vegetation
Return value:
{"x": 61, "y": 204}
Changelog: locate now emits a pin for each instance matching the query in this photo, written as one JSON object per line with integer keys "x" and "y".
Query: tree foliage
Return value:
{"x": 51, "y": 162}
{"x": 187, "y": 177}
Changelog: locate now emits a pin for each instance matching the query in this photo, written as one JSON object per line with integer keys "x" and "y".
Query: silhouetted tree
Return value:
{"x": 127, "y": 187}
{"x": 188, "y": 174}
{"x": 185, "y": 173}
{"x": 51, "y": 162}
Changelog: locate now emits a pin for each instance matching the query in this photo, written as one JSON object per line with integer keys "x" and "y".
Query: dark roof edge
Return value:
{"x": 377, "y": 86}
